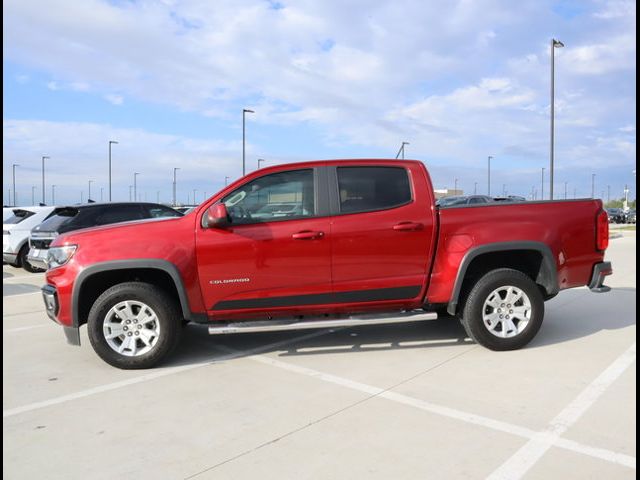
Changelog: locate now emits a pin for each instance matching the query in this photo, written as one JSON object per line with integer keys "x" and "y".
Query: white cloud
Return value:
{"x": 53, "y": 86}
{"x": 114, "y": 99}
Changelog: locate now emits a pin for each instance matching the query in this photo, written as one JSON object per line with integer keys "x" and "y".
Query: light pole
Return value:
{"x": 532, "y": 188}
{"x": 401, "y": 150}
{"x": 226, "y": 181}
{"x": 81, "y": 196}
{"x": 135, "y": 186}
{"x": 554, "y": 44}
{"x": 593, "y": 185}
{"x": 110, "y": 143}
{"x": 175, "y": 169}
{"x": 574, "y": 193}
{"x": 542, "y": 190}
{"x": 489, "y": 175}
{"x": 157, "y": 196}
{"x": 33, "y": 194}
{"x": 13, "y": 167}
{"x": 53, "y": 194}
{"x": 455, "y": 186}
{"x": 101, "y": 192}
{"x": 260, "y": 160}
{"x": 244, "y": 112}
{"x": 504, "y": 189}
{"x": 475, "y": 188}
{"x": 194, "y": 196}
{"x": 44, "y": 157}
{"x": 130, "y": 190}
{"x": 89, "y": 196}
{"x": 565, "y": 190}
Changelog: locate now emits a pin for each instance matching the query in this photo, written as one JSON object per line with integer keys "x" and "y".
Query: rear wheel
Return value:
{"x": 504, "y": 310}
{"x": 134, "y": 325}
{"x": 24, "y": 263}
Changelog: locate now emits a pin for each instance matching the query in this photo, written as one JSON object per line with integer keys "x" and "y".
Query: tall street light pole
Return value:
{"x": 194, "y": 196}
{"x": 593, "y": 185}
{"x": 89, "y": 196}
{"x": 110, "y": 143}
{"x": 401, "y": 151}
{"x": 504, "y": 189}
{"x": 135, "y": 186}
{"x": 260, "y": 160}
{"x": 175, "y": 169}
{"x": 157, "y": 196}
{"x": 565, "y": 190}
{"x": 554, "y": 44}
{"x": 489, "y": 175}
{"x": 44, "y": 157}
{"x": 53, "y": 194}
{"x": 33, "y": 194}
{"x": 455, "y": 186}
{"x": 130, "y": 189}
{"x": 475, "y": 188}
{"x": 542, "y": 189}
{"x": 101, "y": 192}
{"x": 13, "y": 167}
{"x": 244, "y": 112}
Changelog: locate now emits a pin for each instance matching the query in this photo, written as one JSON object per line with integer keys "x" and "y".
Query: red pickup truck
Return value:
{"x": 317, "y": 244}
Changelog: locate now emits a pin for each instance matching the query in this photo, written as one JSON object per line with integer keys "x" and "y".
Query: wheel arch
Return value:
{"x": 92, "y": 281}
{"x": 535, "y": 259}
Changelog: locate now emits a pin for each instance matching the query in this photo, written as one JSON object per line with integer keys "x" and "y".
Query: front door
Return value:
{"x": 274, "y": 256}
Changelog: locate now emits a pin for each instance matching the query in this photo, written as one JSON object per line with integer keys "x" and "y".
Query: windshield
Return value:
{"x": 18, "y": 216}
{"x": 59, "y": 217}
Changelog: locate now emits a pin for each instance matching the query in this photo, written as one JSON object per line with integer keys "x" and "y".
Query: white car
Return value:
{"x": 6, "y": 213}
{"x": 15, "y": 234}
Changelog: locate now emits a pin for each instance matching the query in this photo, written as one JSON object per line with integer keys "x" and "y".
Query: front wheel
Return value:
{"x": 134, "y": 325}
{"x": 504, "y": 310}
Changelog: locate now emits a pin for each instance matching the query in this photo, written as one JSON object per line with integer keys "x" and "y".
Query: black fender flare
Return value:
{"x": 547, "y": 277}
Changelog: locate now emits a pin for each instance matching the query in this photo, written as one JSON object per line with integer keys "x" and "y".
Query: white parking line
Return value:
{"x": 28, "y": 327}
{"x": 527, "y": 456}
{"x": 603, "y": 454}
{"x": 23, "y": 294}
{"x": 152, "y": 376}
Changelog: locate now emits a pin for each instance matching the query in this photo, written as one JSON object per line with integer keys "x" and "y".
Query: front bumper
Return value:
{"x": 600, "y": 270}
{"x": 52, "y": 306}
{"x": 38, "y": 258}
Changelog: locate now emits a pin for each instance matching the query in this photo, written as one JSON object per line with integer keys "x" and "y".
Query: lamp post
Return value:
{"x": 259, "y": 161}
{"x": 175, "y": 169}
{"x": 532, "y": 188}
{"x": 244, "y": 112}
{"x": 44, "y": 157}
{"x": 110, "y": 143}
{"x": 194, "y": 196}
{"x": 101, "y": 193}
{"x": 489, "y": 175}
{"x": 401, "y": 150}
{"x": 593, "y": 185}
{"x": 81, "y": 196}
{"x": 53, "y": 194}
{"x": 554, "y": 44}
{"x": 504, "y": 189}
{"x": 89, "y": 196}
{"x": 135, "y": 186}
{"x": 13, "y": 167}
{"x": 565, "y": 190}
{"x": 157, "y": 196}
{"x": 542, "y": 190}
{"x": 455, "y": 186}
{"x": 130, "y": 190}
{"x": 33, "y": 194}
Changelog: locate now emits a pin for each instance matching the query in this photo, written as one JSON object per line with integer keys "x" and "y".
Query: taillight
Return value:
{"x": 602, "y": 231}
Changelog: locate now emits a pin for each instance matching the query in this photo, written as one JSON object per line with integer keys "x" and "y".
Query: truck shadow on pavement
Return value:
{"x": 573, "y": 316}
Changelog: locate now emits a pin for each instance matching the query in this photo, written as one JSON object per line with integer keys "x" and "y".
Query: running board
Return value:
{"x": 320, "y": 322}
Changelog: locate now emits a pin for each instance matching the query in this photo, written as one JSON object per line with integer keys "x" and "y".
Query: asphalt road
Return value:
{"x": 402, "y": 401}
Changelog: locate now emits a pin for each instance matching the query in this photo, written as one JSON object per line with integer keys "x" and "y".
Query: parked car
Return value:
{"x": 630, "y": 216}
{"x": 7, "y": 212}
{"x": 365, "y": 238}
{"x": 510, "y": 198}
{"x": 616, "y": 215}
{"x": 15, "y": 234}
{"x": 75, "y": 217}
{"x": 463, "y": 200}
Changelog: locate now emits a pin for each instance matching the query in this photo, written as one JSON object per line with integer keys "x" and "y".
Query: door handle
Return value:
{"x": 407, "y": 227}
{"x": 307, "y": 235}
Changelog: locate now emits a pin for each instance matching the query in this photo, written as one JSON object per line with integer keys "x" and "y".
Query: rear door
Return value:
{"x": 381, "y": 233}
{"x": 274, "y": 257}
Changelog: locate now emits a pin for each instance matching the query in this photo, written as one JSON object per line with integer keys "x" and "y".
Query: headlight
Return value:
{"x": 58, "y": 256}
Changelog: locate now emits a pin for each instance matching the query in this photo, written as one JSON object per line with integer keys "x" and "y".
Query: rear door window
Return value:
{"x": 365, "y": 189}
{"x": 119, "y": 213}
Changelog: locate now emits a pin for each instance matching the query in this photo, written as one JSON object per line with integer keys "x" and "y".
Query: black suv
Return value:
{"x": 75, "y": 217}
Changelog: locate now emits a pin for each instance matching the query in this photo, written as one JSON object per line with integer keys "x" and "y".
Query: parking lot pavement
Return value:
{"x": 399, "y": 401}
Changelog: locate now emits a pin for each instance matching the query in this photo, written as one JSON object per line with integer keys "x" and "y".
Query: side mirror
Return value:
{"x": 216, "y": 216}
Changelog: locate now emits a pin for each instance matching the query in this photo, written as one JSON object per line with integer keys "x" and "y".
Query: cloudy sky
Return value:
{"x": 458, "y": 80}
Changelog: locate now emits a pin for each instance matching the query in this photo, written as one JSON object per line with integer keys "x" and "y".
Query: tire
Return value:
{"x": 24, "y": 263}
{"x": 485, "y": 303}
{"x": 149, "y": 311}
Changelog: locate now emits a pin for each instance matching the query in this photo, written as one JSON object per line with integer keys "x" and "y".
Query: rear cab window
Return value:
{"x": 160, "y": 212}
{"x": 59, "y": 217}
{"x": 367, "y": 189}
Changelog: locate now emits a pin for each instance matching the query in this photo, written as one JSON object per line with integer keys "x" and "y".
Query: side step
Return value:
{"x": 320, "y": 322}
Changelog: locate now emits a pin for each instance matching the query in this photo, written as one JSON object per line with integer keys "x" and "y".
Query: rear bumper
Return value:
{"x": 37, "y": 258}
{"x": 600, "y": 270}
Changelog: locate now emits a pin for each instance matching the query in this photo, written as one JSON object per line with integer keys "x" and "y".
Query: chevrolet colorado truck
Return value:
{"x": 323, "y": 244}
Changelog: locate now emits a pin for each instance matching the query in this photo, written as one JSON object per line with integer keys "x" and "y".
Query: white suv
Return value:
{"x": 15, "y": 234}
